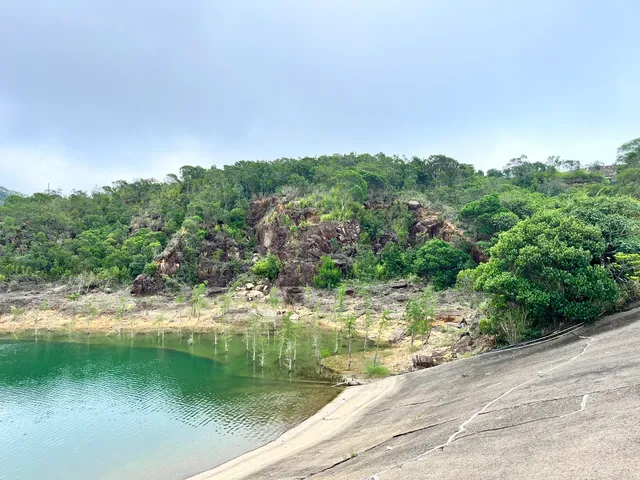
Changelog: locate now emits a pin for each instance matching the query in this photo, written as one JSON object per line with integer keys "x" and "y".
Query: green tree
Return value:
{"x": 268, "y": 267}
{"x": 349, "y": 188}
{"x": 629, "y": 154}
{"x": 393, "y": 261}
{"x": 440, "y": 263}
{"x": 420, "y": 312}
{"x": 548, "y": 268}
{"x": 628, "y": 181}
{"x": 328, "y": 274}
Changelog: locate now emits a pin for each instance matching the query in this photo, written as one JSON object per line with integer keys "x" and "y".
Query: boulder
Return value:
{"x": 484, "y": 343}
{"x": 423, "y": 361}
{"x": 144, "y": 285}
{"x": 399, "y": 284}
{"x": 249, "y": 286}
{"x": 413, "y": 204}
{"x": 254, "y": 295}
{"x": 397, "y": 334}
{"x": 463, "y": 345}
{"x": 211, "y": 291}
{"x": 401, "y": 298}
{"x": 293, "y": 295}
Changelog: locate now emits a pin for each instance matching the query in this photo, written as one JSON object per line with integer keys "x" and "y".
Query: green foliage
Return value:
{"x": 4, "y": 193}
{"x": 197, "y": 299}
{"x": 377, "y": 371}
{"x": 393, "y": 261}
{"x": 150, "y": 269}
{"x": 328, "y": 274}
{"x": 365, "y": 264}
{"x": 268, "y": 267}
{"x": 420, "y": 312}
{"x": 440, "y": 263}
{"x": 202, "y": 221}
{"x": 618, "y": 218}
{"x": 628, "y": 181}
{"x": 548, "y": 269}
{"x": 628, "y": 266}
{"x": 629, "y": 154}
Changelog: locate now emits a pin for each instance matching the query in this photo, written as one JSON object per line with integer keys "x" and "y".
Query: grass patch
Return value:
{"x": 377, "y": 371}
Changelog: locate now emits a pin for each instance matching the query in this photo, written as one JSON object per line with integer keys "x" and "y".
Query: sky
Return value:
{"x": 94, "y": 92}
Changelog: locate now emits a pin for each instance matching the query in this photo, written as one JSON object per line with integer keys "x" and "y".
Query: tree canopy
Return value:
{"x": 555, "y": 240}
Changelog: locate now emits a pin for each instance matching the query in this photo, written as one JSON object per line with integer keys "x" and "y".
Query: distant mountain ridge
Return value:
{"x": 5, "y": 192}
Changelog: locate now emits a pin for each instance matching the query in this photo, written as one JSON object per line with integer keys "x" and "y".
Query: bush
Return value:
{"x": 150, "y": 269}
{"x": 269, "y": 267}
{"x": 377, "y": 371}
{"x": 441, "y": 263}
{"x": 328, "y": 275}
{"x": 547, "y": 269}
{"x": 365, "y": 265}
{"x": 392, "y": 257}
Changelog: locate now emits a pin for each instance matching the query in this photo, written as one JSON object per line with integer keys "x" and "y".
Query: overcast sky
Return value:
{"x": 96, "y": 91}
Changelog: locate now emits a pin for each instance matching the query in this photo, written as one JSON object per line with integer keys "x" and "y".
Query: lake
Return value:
{"x": 149, "y": 406}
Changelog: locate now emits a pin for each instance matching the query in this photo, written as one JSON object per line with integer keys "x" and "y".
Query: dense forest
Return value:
{"x": 549, "y": 243}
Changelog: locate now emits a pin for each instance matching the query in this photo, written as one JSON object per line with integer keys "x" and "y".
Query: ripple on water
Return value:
{"x": 67, "y": 407}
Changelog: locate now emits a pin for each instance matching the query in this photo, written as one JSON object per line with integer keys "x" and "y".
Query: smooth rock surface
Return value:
{"x": 563, "y": 409}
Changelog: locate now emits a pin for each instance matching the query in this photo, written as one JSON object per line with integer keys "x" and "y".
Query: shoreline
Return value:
{"x": 361, "y": 418}
{"x": 353, "y": 403}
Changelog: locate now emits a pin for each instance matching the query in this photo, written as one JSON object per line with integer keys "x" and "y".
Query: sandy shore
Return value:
{"x": 333, "y": 419}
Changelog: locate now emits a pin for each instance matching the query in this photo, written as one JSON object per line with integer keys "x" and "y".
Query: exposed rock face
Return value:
{"x": 298, "y": 238}
{"x": 397, "y": 334}
{"x": 151, "y": 220}
{"x": 144, "y": 285}
{"x": 170, "y": 259}
{"x": 463, "y": 345}
{"x": 292, "y": 233}
{"x": 293, "y": 295}
{"x": 430, "y": 225}
{"x": 219, "y": 255}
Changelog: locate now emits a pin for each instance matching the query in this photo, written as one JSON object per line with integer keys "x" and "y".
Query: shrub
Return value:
{"x": 377, "y": 371}
{"x": 441, "y": 263}
{"x": 150, "y": 269}
{"x": 328, "y": 275}
{"x": 547, "y": 268}
{"x": 392, "y": 257}
{"x": 269, "y": 267}
{"x": 365, "y": 265}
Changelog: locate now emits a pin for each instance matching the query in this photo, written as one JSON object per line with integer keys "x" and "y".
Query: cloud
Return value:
{"x": 129, "y": 89}
{"x": 30, "y": 169}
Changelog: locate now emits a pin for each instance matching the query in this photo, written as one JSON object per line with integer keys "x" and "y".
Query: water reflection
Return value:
{"x": 117, "y": 407}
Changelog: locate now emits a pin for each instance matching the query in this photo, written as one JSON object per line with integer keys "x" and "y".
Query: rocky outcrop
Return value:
{"x": 171, "y": 257}
{"x": 299, "y": 239}
{"x": 151, "y": 220}
{"x": 428, "y": 225}
{"x": 145, "y": 285}
{"x": 286, "y": 229}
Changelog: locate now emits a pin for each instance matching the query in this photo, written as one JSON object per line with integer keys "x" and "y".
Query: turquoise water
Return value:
{"x": 144, "y": 407}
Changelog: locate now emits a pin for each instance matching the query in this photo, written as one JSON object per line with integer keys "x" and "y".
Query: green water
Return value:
{"x": 144, "y": 407}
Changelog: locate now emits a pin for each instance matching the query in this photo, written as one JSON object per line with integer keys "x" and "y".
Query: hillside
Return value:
{"x": 546, "y": 247}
